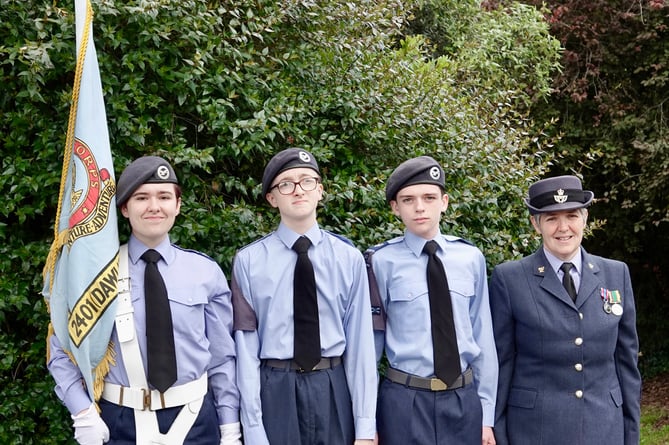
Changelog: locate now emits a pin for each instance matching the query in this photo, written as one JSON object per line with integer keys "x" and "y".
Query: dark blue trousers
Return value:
{"x": 407, "y": 416}
{"x": 121, "y": 423}
{"x": 311, "y": 408}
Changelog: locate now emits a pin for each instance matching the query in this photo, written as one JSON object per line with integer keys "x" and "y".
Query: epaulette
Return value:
{"x": 197, "y": 252}
{"x": 259, "y": 240}
{"x": 452, "y": 238}
{"x": 376, "y": 247}
{"x": 340, "y": 237}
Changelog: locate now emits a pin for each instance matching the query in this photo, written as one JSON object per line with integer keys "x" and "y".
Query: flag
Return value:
{"x": 81, "y": 270}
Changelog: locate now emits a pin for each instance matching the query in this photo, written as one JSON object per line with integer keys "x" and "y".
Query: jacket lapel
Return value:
{"x": 547, "y": 279}
{"x": 589, "y": 279}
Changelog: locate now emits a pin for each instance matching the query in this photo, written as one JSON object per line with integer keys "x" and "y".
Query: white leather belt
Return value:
{"x": 143, "y": 398}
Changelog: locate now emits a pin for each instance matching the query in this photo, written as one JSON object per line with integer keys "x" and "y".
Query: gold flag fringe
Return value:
{"x": 102, "y": 369}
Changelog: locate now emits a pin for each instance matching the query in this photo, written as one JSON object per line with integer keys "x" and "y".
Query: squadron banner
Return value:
{"x": 81, "y": 271}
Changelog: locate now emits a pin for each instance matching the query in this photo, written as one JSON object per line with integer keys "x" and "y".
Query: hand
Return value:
{"x": 89, "y": 428}
{"x": 231, "y": 434}
{"x": 487, "y": 437}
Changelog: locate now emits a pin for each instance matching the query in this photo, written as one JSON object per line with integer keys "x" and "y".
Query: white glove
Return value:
{"x": 89, "y": 428}
{"x": 231, "y": 434}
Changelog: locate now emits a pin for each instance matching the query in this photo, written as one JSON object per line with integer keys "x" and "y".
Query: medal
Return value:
{"x": 612, "y": 300}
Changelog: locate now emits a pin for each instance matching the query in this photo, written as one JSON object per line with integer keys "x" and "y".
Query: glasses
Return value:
{"x": 288, "y": 187}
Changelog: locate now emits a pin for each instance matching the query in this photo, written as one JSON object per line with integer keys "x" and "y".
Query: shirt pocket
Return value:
{"x": 409, "y": 306}
{"x": 190, "y": 296}
{"x": 187, "y": 306}
{"x": 408, "y": 291}
{"x": 461, "y": 288}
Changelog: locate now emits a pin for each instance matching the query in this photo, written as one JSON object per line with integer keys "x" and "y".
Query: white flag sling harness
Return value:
{"x": 138, "y": 396}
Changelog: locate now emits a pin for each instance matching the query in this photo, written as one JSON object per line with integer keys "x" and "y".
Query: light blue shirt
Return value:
{"x": 263, "y": 272}
{"x": 575, "y": 271}
{"x": 200, "y": 302}
{"x": 400, "y": 269}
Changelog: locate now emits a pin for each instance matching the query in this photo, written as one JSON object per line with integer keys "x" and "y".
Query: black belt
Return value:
{"x": 290, "y": 365}
{"x": 433, "y": 384}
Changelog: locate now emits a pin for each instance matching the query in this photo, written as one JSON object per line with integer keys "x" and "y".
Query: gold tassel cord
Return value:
{"x": 61, "y": 236}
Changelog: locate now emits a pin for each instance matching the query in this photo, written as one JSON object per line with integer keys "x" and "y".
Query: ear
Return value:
{"x": 394, "y": 207}
{"x": 272, "y": 200}
{"x": 444, "y": 200}
{"x": 320, "y": 191}
{"x": 535, "y": 224}
{"x": 124, "y": 210}
{"x": 178, "y": 206}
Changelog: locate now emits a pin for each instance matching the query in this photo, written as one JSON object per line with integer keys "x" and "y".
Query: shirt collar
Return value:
{"x": 136, "y": 249}
{"x": 288, "y": 236}
{"x": 555, "y": 262}
{"x": 416, "y": 243}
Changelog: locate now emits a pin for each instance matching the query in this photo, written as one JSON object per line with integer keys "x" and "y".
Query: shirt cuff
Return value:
{"x": 227, "y": 415}
{"x": 77, "y": 401}
{"x": 488, "y": 416}
{"x": 255, "y": 435}
{"x": 365, "y": 428}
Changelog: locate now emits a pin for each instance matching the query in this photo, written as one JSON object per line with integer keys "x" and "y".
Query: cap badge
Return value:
{"x": 560, "y": 198}
{"x": 435, "y": 173}
{"x": 304, "y": 157}
{"x": 163, "y": 172}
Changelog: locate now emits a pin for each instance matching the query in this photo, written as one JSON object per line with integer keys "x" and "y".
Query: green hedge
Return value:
{"x": 218, "y": 88}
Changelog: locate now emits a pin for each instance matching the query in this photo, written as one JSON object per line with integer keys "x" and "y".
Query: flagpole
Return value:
{"x": 60, "y": 236}
{"x": 81, "y": 270}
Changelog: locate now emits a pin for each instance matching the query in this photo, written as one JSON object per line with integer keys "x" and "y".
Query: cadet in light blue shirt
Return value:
{"x": 281, "y": 403}
{"x": 414, "y": 406}
{"x": 199, "y": 300}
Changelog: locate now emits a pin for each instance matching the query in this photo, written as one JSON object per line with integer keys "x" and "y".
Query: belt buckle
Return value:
{"x": 146, "y": 397}
{"x": 302, "y": 370}
{"x": 438, "y": 385}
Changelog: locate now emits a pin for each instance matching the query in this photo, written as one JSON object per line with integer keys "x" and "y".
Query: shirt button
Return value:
{"x": 578, "y": 341}
{"x": 578, "y": 367}
{"x": 579, "y": 394}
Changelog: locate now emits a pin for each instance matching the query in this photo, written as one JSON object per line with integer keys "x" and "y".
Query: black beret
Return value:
{"x": 556, "y": 194}
{"x": 144, "y": 170}
{"x": 285, "y": 160}
{"x": 420, "y": 170}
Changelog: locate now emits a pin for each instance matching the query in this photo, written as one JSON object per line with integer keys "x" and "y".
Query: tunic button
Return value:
{"x": 580, "y": 315}
{"x": 579, "y": 394}
{"x": 578, "y": 367}
{"x": 578, "y": 341}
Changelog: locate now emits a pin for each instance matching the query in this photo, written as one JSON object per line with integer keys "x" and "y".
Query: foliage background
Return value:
{"x": 609, "y": 102}
{"x": 219, "y": 87}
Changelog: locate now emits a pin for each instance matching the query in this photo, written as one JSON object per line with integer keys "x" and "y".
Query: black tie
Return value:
{"x": 307, "y": 341}
{"x": 162, "y": 362}
{"x": 567, "y": 281}
{"x": 446, "y": 354}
